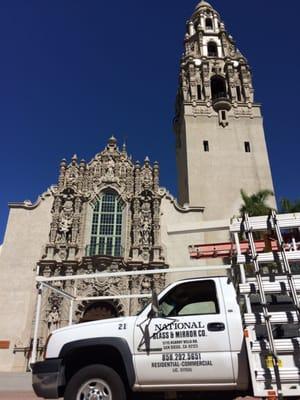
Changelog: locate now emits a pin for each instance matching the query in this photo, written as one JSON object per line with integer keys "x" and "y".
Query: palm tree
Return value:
{"x": 288, "y": 206}
{"x": 256, "y": 204}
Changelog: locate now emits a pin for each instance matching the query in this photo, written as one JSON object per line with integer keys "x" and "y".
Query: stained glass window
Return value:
{"x": 106, "y": 232}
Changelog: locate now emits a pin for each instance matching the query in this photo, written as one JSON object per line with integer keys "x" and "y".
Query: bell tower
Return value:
{"x": 220, "y": 141}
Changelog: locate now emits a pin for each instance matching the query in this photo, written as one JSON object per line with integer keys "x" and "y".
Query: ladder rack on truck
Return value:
{"x": 269, "y": 291}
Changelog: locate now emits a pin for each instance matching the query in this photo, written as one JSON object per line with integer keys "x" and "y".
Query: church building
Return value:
{"x": 111, "y": 214}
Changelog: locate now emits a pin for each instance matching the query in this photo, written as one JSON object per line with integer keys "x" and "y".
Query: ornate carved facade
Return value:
{"x": 105, "y": 217}
{"x": 214, "y": 75}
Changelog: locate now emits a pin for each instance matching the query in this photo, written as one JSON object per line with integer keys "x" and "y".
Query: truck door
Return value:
{"x": 189, "y": 342}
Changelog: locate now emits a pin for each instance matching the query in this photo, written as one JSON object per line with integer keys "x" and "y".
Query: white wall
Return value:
{"x": 182, "y": 228}
{"x": 216, "y": 177}
{"x": 26, "y": 233}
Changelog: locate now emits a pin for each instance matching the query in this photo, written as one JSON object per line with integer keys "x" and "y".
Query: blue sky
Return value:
{"x": 74, "y": 72}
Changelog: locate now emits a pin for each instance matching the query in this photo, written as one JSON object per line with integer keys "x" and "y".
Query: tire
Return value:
{"x": 96, "y": 379}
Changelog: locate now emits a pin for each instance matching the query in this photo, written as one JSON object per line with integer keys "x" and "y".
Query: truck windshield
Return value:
{"x": 143, "y": 308}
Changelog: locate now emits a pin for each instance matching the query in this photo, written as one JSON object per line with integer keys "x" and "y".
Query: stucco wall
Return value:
{"x": 217, "y": 176}
{"x": 181, "y": 228}
{"x": 26, "y": 233}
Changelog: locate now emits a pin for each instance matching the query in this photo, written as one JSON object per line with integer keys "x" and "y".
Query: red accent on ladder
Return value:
{"x": 228, "y": 249}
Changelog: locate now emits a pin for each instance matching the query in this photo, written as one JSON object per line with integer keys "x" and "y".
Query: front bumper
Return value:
{"x": 47, "y": 378}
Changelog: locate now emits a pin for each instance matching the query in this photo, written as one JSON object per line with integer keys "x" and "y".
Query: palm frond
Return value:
{"x": 255, "y": 204}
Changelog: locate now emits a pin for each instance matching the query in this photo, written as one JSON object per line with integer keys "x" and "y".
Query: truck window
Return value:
{"x": 191, "y": 298}
{"x": 202, "y": 307}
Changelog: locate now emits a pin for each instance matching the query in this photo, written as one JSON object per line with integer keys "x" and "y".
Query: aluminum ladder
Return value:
{"x": 274, "y": 369}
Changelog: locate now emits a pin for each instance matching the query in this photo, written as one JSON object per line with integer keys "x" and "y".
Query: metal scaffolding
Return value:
{"x": 47, "y": 282}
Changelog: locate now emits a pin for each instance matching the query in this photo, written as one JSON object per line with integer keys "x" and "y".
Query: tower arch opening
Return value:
{"x": 218, "y": 87}
{"x": 208, "y": 23}
{"x": 212, "y": 49}
{"x": 99, "y": 310}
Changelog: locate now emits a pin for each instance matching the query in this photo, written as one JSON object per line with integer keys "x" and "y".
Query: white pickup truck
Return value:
{"x": 191, "y": 340}
{"x": 199, "y": 334}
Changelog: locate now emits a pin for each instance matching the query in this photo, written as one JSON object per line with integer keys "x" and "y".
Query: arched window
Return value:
{"x": 99, "y": 310}
{"x": 239, "y": 93}
{"x": 208, "y": 23}
{"x": 212, "y": 49}
{"x": 106, "y": 235}
{"x": 218, "y": 87}
{"x": 199, "y": 92}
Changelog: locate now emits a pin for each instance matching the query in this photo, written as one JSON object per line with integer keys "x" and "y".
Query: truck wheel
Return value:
{"x": 95, "y": 382}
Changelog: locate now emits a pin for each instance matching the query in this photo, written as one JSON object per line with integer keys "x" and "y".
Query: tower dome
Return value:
{"x": 203, "y": 3}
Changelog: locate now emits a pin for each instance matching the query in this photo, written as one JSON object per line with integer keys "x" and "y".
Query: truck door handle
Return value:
{"x": 216, "y": 326}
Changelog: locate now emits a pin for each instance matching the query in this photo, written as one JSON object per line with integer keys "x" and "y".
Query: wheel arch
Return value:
{"x": 102, "y": 347}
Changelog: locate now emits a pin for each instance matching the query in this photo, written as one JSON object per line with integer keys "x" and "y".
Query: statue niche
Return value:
{"x": 66, "y": 218}
{"x": 65, "y": 223}
{"x": 145, "y": 225}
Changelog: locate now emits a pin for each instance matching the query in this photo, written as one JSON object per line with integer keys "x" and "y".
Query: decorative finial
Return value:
{"x": 112, "y": 139}
{"x": 203, "y": 3}
{"x": 124, "y": 145}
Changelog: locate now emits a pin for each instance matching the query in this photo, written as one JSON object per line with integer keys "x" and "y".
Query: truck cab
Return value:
{"x": 189, "y": 338}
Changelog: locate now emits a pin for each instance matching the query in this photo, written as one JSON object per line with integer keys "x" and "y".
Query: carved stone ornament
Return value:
{"x": 216, "y": 54}
{"x": 53, "y": 319}
{"x": 80, "y": 183}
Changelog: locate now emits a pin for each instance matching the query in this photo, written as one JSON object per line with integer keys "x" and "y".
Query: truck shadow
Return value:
{"x": 193, "y": 396}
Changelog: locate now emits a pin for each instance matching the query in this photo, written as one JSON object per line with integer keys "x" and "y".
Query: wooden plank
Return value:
{"x": 281, "y": 345}
{"x": 261, "y": 223}
{"x": 281, "y": 317}
{"x": 4, "y": 344}
{"x": 270, "y": 257}
{"x": 226, "y": 249}
{"x": 280, "y": 285}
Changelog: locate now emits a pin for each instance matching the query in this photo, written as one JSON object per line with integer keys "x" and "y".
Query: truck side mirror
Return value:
{"x": 154, "y": 312}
